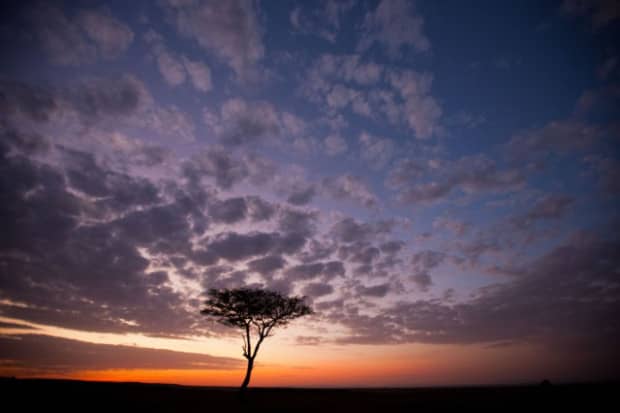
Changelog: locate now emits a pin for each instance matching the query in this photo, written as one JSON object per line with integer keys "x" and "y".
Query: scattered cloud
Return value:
{"x": 81, "y": 38}
{"x": 230, "y": 30}
{"x": 394, "y": 24}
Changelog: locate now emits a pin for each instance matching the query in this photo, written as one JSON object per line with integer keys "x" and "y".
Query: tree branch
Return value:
{"x": 248, "y": 346}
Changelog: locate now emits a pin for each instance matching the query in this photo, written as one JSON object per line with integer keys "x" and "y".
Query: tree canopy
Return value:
{"x": 256, "y": 311}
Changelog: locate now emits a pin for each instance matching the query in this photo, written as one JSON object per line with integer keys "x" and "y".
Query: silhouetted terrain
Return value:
{"x": 62, "y": 395}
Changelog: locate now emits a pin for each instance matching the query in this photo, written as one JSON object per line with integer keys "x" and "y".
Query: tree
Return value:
{"x": 256, "y": 311}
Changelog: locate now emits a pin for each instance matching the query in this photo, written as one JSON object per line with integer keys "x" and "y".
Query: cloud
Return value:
{"x": 420, "y": 111}
{"x": 568, "y": 295}
{"x": 317, "y": 289}
{"x": 380, "y": 290}
{"x": 232, "y": 246}
{"x": 302, "y": 195}
{"x": 377, "y": 151}
{"x": 241, "y": 123}
{"x": 177, "y": 68}
{"x": 336, "y": 81}
{"x": 259, "y": 209}
{"x": 230, "y": 30}
{"x": 457, "y": 227}
{"x": 32, "y": 102}
{"x": 405, "y": 171}
{"x": 171, "y": 69}
{"x": 349, "y": 230}
{"x": 46, "y": 354}
{"x": 98, "y": 99}
{"x": 199, "y": 74}
{"x": 324, "y": 270}
{"x": 416, "y": 182}
{"x": 422, "y": 263}
{"x": 297, "y": 221}
{"x": 557, "y": 136}
{"x": 228, "y": 211}
{"x": 101, "y": 102}
{"x": 63, "y": 242}
{"x": 79, "y": 39}
{"x": 350, "y": 187}
{"x": 427, "y": 260}
{"x": 323, "y": 22}
{"x": 395, "y": 25}
{"x": 550, "y": 206}
{"x": 217, "y": 164}
{"x": 392, "y": 247}
{"x": 334, "y": 145}
{"x": 110, "y": 35}
{"x": 422, "y": 280}
{"x": 608, "y": 173}
{"x": 350, "y": 68}
{"x": 341, "y": 82}
{"x": 267, "y": 265}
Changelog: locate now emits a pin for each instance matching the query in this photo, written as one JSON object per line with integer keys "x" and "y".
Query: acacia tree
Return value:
{"x": 257, "y": 312}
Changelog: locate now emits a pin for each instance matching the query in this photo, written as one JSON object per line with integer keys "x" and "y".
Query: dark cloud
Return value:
{"x": 422, "y": 280}
{"x": 87, "y": 274}
{"x": 242, "y": 123}
{"x": 60, "y": 355}
{"x": 427, "y": 259}
{"x": 100, "y": 98}
{"x": 215, "y": 164}
{"x": 474, "y": 248}
{"x": 559, "y": 136}
{"x": 33, "y": 102}
{"x": 228, "y": 211}
{"x": 316, "y": 251}
{"x": 86, "y": 174}
{"x": 568, "y": 295}
{"x": 392, "y": 247}
{"x": 259, "y": 209}
{"x": 325, "y": 270}
{"x": 373, "y": 291}
{"x": 295, "y": 221}
{"x": 423, "y": 262}
{"x": 359, "y": 252}
{"x": 233, "y": 246}
{"x": 349, "y": 187}
{"x": 302, "y": 196}
{"x": 349, "y": 230}
{"x": 550, "y": 206}
{"x": 105, "y": 102}
{"x": 267, "y": 265}
{"x": 470, "y": 174}
{"x": 78, "y": 39}
{"x": 317, "y": 289}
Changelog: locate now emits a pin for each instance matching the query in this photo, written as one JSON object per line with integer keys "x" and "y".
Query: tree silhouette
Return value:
{"x": 256, "y": 311}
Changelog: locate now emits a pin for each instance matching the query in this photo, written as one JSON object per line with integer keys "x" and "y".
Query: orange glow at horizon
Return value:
{"x": 428, "y": 365}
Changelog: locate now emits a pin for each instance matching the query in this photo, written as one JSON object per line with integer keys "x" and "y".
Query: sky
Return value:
{"x": 439, "y": 179}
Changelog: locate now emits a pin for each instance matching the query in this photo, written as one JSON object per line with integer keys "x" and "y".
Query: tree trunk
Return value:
{"x": 248, "y": 373}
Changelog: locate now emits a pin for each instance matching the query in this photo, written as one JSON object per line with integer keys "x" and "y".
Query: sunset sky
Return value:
{"x": 440, "y": 179}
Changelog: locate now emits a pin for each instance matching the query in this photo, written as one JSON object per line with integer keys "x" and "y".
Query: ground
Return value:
{"x": 65, "y": 395}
